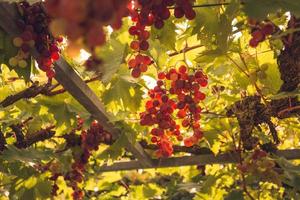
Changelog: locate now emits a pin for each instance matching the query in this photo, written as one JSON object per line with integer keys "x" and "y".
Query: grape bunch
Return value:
{"x": 83, "y": 21}
{"x": 174, "y": 99}
{"x": 89, "y": 141}
{"x": 35, "y": 34}
{"x": 187, "y": 90}
{"x": 259, "y": 31}
{"x": 153, "y": 12}
{"x": 159, "y": 112}
{"x": 139, "y": 64}
{"x": 145, "y": 13}
{"x": 260, "y": 165}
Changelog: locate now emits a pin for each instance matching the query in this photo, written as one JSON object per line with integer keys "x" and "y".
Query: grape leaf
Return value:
{"x": 7, "y": 51}
{"x": 26, "y": 155}
{"x": 166, "y": 36}
{"x": 59, "y": 106}
{"x": 260, "y": 9}
{"x": 235, "y": 195}
{"x": 124, "y": 93}
{"x": 112, "y": 55}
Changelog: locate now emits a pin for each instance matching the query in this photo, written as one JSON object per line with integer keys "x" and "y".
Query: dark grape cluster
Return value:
{"x": 34, "y": 25}
{"x": 145, "y": 13}
{"x": 175, "y": 99}
{"x": 89, "y": 141}
{"x": 83, "y": 21}
{"x": 259, "y": 31}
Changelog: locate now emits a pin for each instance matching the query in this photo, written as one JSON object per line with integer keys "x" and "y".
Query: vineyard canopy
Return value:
{"x": 225, "y": 81}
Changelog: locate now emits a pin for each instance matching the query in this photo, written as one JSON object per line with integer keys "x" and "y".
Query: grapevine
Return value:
{"x": 192, "y": 99}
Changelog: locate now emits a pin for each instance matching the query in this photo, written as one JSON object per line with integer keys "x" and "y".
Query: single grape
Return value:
{"x": 13, "y": 61}
{"x": 50, "y": 73}
{"x": 18, "y": 42}
{"x": 136, "y": 73}
{"x": 22, "y": 63}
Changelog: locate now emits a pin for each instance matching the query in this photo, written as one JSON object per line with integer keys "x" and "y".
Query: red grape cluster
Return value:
{"x": 259, "y": 32}
{"x": 89, "y": 141}
{"x": 34, "y": 24}
{"x": 145, "y": 13}
{"x": 187, "y": 89}
{"x": 139, "y": 64}
{"x": 175, "y": 98}
{"x": 83, "y": 21}
{"x": 159, "y": 112}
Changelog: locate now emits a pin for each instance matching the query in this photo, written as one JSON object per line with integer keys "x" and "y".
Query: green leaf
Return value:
{"x": 286, "y": 94}
{"x": 43, "y": 189}
{"x": 62, "y": 107}
{"x": 115, "y": 150}
{"x": 166, "y": 36}
{"x": 2, "y": 38}
{"x": 260, "y": 9}
{"x": 205, "y": 24}
{"x": 25, "y": 155}
{"x": 30, "y": 183}
{"x": 112, "y": 55}
{"x": 291, "y": 172}
{"x": 235, "y": 195}
{"x": 124, "y": 93}
{"x": 214, "y": 28}
{"x": 8, "y": 50}
{"x": 16, "y": 168}
{"x": 209, "y": 182}
{"x": 28, "y": 194}
{"x": 296, "y": 182}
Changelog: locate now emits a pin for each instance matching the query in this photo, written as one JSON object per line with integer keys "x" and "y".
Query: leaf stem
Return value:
{"x": 237, "y": 65}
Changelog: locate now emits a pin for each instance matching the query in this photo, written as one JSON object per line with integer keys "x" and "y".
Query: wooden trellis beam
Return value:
{"x": 72, "y": 82}
{"x": 87, "y": 98}
{"x": 290, "y": 154}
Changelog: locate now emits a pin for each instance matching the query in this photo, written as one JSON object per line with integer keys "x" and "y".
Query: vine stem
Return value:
{"x": 238, "y": 149}
{"x": 209, "y": 5}
{"x": 244, "y": 184}
{"x": 9, "y": 183}
{"x": 280, "y": 113}
{"x": 247, "y": 74}
{"x": 237, "y": 65}
{"x": 186, "y": 49}
{"x": 245, "y": 187}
